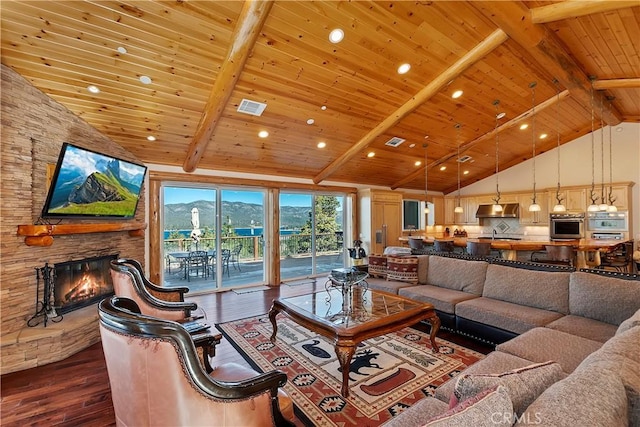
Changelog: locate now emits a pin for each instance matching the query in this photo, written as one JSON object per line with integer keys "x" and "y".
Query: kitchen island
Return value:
{"x": 587, "y": 250}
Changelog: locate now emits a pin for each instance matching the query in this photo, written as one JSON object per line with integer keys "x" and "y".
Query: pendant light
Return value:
{"x": 534, "y": 207}
{"x": 559, "y": 207}
{"x": 603, "y": 204}
{"x": 612, "y": 207}
{"x": 593, "y": 207}
{"x": 458, "y": 208}
{"x": 426, "y": 176}
{"x": 496, "y": 207}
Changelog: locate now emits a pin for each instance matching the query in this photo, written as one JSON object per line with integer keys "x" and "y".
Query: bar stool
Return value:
{"x": 443, "y": 245}
{"x": 479, "y": 249}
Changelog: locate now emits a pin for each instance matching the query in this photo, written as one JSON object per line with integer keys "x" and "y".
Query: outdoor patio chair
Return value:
{"x": 156, "y": 377}
{"x": 197, "y": 262}
{"x": 234, "y": 258}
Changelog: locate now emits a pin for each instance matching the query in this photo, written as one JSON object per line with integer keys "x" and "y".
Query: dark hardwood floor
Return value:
{"x": 75, "y": 391}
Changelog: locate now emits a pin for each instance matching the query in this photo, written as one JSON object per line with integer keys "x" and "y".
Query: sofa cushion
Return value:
{"x": 479, "y": 410}
{"x": 443, "y": 299}
{"x": 496, "y": 361}
{"x": 542, "y": 344}
{"x": 621, "y": 356}
{"x": 391, "y": 286}
{"x": 403, "y": 269}
{"x": 606, "y": 299}
{"x": 540, "y": 289}
{"x": 505, "y": 315}
{"x": 423, "y": 268}
{"x": 417, "y": 414}
{"x": 631, "y": 322}
{"x": 591, "y": 397}
{"x": 584, "y": 327}
{"x": 378, "y": 266}
{"x": 457, "y": 274}
{"x": 523, "y": 384}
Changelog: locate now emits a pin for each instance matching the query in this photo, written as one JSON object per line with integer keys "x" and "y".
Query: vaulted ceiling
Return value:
{"x": 204, "y": 57}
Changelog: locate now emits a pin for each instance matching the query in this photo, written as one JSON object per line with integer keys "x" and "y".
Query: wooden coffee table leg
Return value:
{"x": 345, "y": 353}
{"x": 435, "y": 327}
{"x": 272, "y": 318}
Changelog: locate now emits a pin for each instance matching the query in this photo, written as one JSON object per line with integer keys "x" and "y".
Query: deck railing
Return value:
{"x": 252, "y": 248}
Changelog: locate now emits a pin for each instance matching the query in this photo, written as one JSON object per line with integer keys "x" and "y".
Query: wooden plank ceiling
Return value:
{"x": 205, "y": 57}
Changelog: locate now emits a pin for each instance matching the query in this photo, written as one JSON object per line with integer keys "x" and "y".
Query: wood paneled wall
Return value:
{"x": 33, "y": 130}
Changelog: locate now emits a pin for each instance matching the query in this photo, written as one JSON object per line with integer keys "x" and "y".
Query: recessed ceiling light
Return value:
{"x": 322, "y": 144}
{"x": 501, "y": 115}
{"x": 443, "y": 168}
{"x": 524, "y": 126}
{"x": 263, "y": 134}
{"x": 324, "y": 107}
{"x": 310, "y": 121}
{"x": 145, "y": 79}
{"x": 151, "y": 138}
{"x": 412, "y": 145}
{"x": 336, "y": 36}
{"x": 457, "y": 94}
{"x": 426, "y": 137}
{"x": 404, "y": 68}
{"x": 543, "y": 136}
{"x": 418, "y": 163}
{"x": 371, "y": 154}
{"x": 93, "y": 89}
{"x": 122, "y": 50}
{"x": 465, "y": 173}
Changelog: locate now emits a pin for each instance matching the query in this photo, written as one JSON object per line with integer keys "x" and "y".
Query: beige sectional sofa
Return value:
{"x": 568, "y": 342}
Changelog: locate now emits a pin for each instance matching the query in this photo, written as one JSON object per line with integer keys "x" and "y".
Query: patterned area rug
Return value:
{"x": 388, "y": 374}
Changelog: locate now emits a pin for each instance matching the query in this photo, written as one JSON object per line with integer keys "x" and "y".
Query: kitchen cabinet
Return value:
{"x": 533, "y": 218}
{"x": 469, "y": 207}
{"x": 438, "y": 210}
{"x": 449, "y": 206}
{"x": 380, "y": 214}
{"x": 621, "y": 195}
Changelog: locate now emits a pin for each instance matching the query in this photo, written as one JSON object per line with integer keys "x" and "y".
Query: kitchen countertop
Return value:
{"x": 528, "y": 245}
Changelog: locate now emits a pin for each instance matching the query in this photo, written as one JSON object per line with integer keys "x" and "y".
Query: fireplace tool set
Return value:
{"x": 44, "y": 309}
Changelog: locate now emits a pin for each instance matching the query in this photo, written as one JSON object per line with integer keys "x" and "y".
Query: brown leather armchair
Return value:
{"x": 163, "y": 303}
{"x": 129, "y": 281}
{"x": 156, "y": 377}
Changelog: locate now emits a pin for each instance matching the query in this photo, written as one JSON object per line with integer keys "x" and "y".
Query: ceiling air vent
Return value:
{"x": 395, "y": 141}
{"x": 464, "y": 159}
{"x": 251, "y": 107}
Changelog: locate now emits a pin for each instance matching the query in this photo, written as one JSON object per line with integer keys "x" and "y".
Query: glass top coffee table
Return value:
{"x": 347, "y": 318}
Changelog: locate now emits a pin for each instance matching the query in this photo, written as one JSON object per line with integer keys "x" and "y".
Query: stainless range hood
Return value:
{"x": 509, "y": 210}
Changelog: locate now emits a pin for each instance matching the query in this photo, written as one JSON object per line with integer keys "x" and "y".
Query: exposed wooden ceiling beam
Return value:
{"x": 616, "y": 84}
{"x": 245, "y": 34}
{"x": 573, "y": 9}
{"x": 489, "y": 135}
{"x": 494, "y": 40}
{"x": 514, "y": 18}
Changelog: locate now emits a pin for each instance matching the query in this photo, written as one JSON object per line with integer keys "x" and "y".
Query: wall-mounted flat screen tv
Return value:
{"x": 90, "y": 184}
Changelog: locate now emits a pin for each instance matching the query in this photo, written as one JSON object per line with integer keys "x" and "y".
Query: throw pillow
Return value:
{"x": 403, "y": 269}
{"x": 378, "y": 266}
{"x": 491, "y": 407}
{"x": 524, "y": 384}
{"x": 631, "y": 322}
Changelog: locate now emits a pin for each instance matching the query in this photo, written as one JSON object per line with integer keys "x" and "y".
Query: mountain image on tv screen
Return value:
{"x": 93, "y": 184}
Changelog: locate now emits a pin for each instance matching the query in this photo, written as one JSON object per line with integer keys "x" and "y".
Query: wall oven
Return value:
{"x": 566, "y": 226}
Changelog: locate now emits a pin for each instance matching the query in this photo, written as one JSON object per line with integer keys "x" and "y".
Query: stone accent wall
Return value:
{"x": 34, "y": 127}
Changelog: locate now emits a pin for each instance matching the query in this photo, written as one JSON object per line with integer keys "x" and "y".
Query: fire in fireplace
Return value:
{"x": 77, "y": 284}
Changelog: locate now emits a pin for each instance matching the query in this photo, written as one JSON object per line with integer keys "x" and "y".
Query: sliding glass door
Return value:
{"x": 212, "y": 237}
{"x": 311, "y": 234}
